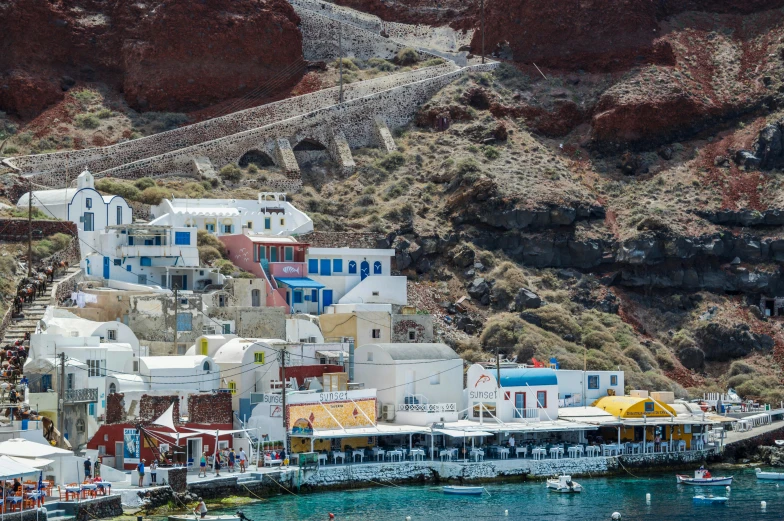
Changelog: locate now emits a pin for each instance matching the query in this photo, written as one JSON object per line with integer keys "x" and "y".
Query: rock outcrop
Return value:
{"x": 163, "y": 54}
{"x": 721, "y": 343}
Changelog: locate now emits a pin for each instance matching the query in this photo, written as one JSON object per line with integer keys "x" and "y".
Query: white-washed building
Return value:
{"x": 150, "y": 255}
{"x": 356, "y": 276}
{"x": 83, "y": 206}
{"x": 525, "y": 394}
{"x": 417, "y": 384}
{"x": 581, "y": 388}
{"x": 270, "y": 214}
{"x": 180, "y": 373}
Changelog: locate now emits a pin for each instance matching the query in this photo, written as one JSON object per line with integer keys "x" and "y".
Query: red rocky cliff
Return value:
{"x": 164, "y": 54}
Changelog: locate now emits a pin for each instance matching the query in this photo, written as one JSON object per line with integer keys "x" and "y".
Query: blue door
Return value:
{"x": 326, "y": 297}
{"x": 326, "y": 267}
{"x": 274, "y": 254}
{"x": 364, "y": 270}
{"x": 106, "y": 267}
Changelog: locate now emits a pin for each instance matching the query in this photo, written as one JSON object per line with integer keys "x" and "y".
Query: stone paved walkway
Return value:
{"x": 734, "y": 437}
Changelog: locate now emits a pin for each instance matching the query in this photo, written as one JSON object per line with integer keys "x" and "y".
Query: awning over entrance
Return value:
{"x": 300, "y": 283}
{"x": 461, "y": 434}
{"x": 358, "y": 432}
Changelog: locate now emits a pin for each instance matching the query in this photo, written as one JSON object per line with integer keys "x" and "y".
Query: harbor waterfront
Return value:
{"x": 601, "y": 497}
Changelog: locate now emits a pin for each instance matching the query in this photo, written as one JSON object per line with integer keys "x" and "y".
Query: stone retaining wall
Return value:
{"x": 98, "y": 508}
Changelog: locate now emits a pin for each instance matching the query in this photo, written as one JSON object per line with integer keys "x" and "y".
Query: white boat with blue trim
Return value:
{"x": 703, "y": 477}
{"x": 463, "y": 491}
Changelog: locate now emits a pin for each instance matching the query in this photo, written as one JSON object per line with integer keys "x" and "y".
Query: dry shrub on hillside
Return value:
{"x": 509, "y": 278}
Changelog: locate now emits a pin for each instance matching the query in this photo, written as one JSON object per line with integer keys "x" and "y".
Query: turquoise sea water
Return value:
{"x": 600, "y": 498}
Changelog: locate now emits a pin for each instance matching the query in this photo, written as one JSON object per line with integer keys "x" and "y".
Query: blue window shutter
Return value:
{"x": 184, "y": 322}
{"x": 337, "y": 265}
{"x": 146, "y": 261}
{"x": 128, "y": 267}
{"x": 313, "y": 266}
{"x": 377, "y": 268}
{"x": 182, "y": 238}
{"x": 352, "y": 268}
{"x": 298, "y": 296}
{"x": 314, "y": 296}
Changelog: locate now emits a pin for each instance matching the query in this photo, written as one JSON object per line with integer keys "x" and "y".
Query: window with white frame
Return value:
{"x": 96, "y": 367}
{"x": 112, "y": 333}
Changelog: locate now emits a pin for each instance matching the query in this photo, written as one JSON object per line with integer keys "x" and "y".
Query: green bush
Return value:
{"x": 253, "y": 169}
{"x": 557, "y": 320}
{"x": 153, "y": 195}
{"x": 598, "y": 339}
{"x": 407, "y": 56}
{"x": 739, "y": 367}
{"x": 207, "y": 240}
{"x": 381, "y": 64}
{"x": 86, "y": 121}
{"x": 144, "y": 183}
{"x": 502, "y": 331}
{"x": 11, "y": 150}
{"x": 231, "y": 172}
{"x": 432, "y": 62}
{"x": 642, "y": 357}
{"x": 491, "y": 152}
{"x": 117, "y": 187}
{"x": 365, "y": 200}
{"x": 225, "y": 267}
{"x": 348, "y": 64}
{"x": 84, "y": 96}
{"x": 105, "y": 114}
{"x": 208, "y": 254}
{"x": 60, "y": 241}
{"x": 391, "y": 161}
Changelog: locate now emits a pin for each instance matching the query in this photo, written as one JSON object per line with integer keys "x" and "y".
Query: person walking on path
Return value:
{"x": 154, "y": 473}
{"x": 217, "y": 464}
{"x": 88, "y": 467}
{"x": 243, "y": 460}
{"x": 203, "y": 465}
{"x": 232, "y": 459}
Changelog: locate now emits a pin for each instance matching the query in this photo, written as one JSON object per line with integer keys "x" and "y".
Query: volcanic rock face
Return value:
{"x": 164, "y": 54}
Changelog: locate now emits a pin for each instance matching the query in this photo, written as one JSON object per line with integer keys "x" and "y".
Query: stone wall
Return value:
{"x": 421, "y": 326}
{"x": 100, "y": 508}
{"x": 319, "y": 239}
{"x": 15, "y": 230}
{"x": 50, "y": 167}
{"x": 115, "y": 412}
{"x": 153, "y": 320}
{"x": 62, "y": 290}
{"x": 253, "y": 322}
{"x": 151, "y": 407}
{"x": 178, "y": 479}
{"x": 210, "y": 408}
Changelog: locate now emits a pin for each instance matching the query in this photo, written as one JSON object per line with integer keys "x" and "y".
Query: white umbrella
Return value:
{"x": 38, "y": 463}
{"x": 29, "y": 449}
{"x": 10, "y": 469}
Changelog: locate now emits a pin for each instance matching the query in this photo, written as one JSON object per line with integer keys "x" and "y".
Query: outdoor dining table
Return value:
{"x": 503, "y": 453}
{"x": 611, "y": 450}
{"x": 539, "y": 453}
{"x": 698, "y": 445}
{"x": 75, "y": 491}
{"x": 681, "y": 445}
{"x": 476, "y": 454}
{"x": 38, "y": 497}
{"x": 104, "y": 487}
{"x": 649, "y": 446}
{"x": 360, "y": 453}
{"x": 556, "y": 452}
{"x": 322, "y": 457}
{"x": 338, "y": 454}
{"x": 521, "y": 450}
{"x": 392, "y": 454}
{"x": 634, "y": 448}
{"x": 592, "y": 450}
{"x": 379, "y": 453}
{"x": 575, "y": 451}
{"x": 417, "y": 454}
{"x": 15, "y": 500}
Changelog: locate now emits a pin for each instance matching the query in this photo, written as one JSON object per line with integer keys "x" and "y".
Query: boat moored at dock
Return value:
{"x": 564, "y": 485}
{"x": 769, "y": 475}
{"x": 703, "y": 477}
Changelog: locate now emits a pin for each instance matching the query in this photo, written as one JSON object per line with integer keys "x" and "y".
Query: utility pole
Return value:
{"x": 30, "y": 230}
{"x": 340, "y": 59}
{"x": 61, "y": 399}
{"x": 482, "y": 2}
{"x": 282, "y": 355}
{"x": 176, "y": 308}
{"x": 498, "y": 365}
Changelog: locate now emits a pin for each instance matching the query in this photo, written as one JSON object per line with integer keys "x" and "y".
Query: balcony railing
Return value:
{"x": 81, "y": 395}
{"x": 526, "y": 414}
{"x": 427, "y": 407}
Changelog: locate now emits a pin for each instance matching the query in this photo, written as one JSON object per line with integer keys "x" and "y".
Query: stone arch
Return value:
{"x": 310, "y": 152}
{"x": 256, "y": 157}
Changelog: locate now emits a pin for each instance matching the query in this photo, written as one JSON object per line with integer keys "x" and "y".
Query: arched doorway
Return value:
{"x": 256, "y": 157}
{"x": 364, "y": 270}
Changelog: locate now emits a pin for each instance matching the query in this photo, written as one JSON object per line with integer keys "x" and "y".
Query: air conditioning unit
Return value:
{"x": 388, "y": 411}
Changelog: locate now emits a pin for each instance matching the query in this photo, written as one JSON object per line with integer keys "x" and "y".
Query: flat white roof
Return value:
{"x": 173, "y": 362}
{"x": 352, "y": 251}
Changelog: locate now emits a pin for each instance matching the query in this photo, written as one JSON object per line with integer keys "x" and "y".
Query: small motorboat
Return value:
{"x": 703, "y": 477}
{"x": 780, "y": 443}
{"x": 564, "y": 485}
{"x": 707, "y": 500}
{"x": 463, "y": 491}
{"x": 769, "y": 475}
